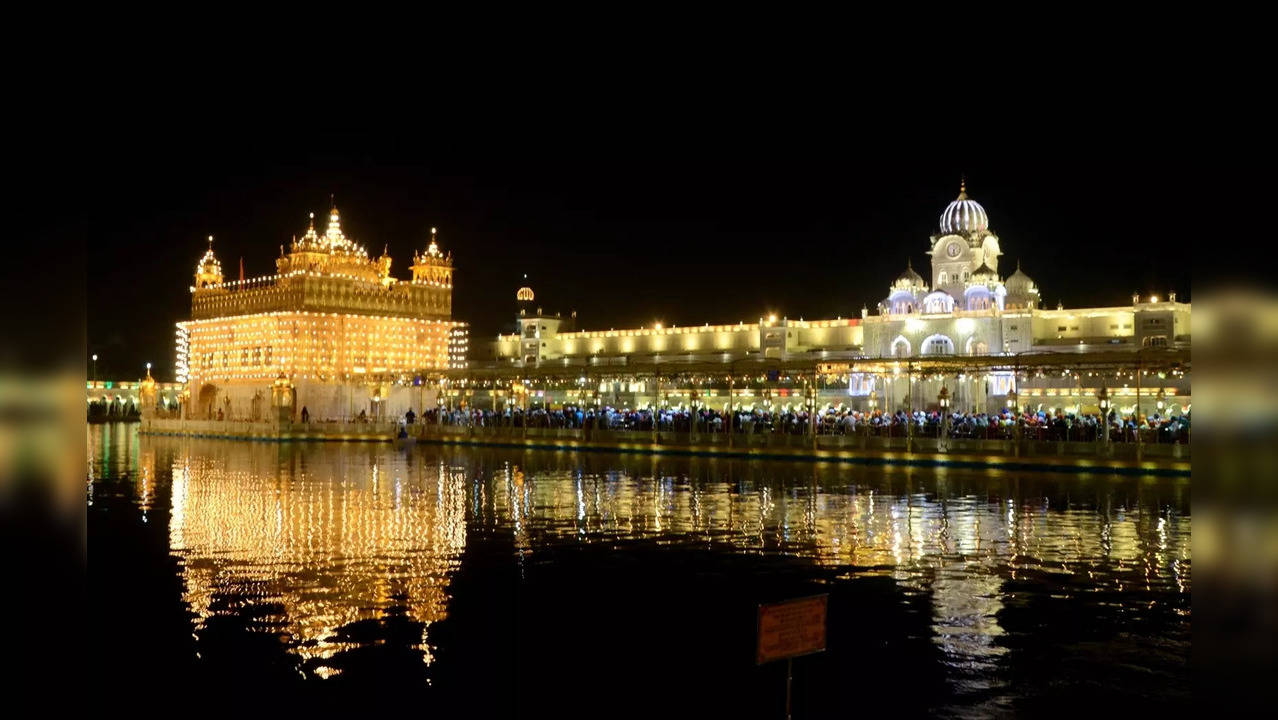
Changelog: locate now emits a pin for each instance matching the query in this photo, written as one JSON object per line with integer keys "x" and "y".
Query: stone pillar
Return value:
{"x": 656, "y": 406}
{"x": 943, "y": 434}
{"x": 909, "y": 410}
{"x": 1140, "y": 447}
{"x": 692, "y": 414}
{"x": 812, "y": 415}
{"x": 727, "y": 424}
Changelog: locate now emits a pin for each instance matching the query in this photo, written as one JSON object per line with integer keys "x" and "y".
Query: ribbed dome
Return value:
{"x": 964, "y": 216}
{"x": 909, "y": 278}
{"x": 984, "y": 274}
{"x": 1019, "y": 281}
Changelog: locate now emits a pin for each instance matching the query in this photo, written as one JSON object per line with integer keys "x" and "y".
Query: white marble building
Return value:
{"x": 966, "y": 308}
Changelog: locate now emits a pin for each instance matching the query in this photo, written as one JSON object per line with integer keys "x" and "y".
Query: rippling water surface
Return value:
{"x": 509, "y": 583}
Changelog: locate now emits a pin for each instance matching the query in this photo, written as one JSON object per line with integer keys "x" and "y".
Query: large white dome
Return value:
{"x": 964, "y": 216}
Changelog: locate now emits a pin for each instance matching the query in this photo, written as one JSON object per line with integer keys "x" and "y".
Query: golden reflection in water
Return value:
{"x": 896, "y": 535}
{"x": 339, "y": 533}
{"x": 336, "y": 538}
{"x": 959, "y": 551}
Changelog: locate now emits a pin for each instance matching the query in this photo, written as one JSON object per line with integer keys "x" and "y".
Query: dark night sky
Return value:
{"x": 632, "y": 218}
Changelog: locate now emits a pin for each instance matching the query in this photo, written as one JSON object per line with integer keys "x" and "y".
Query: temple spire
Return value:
{"x": 208, "y": 271}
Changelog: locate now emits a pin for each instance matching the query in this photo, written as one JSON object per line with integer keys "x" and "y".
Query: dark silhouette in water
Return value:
{"x": 100, "y": 411}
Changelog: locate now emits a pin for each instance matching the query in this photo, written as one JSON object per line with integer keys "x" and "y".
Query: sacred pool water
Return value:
{"x": 504, "y": 583}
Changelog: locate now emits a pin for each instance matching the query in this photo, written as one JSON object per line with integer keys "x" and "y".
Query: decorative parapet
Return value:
{"x": 305, "y": 292}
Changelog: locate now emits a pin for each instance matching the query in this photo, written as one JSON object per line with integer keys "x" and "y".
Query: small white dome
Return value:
{"x": 1021, "y": 290}
{"x": 910, "y": 278}
{"x": 983, "y": 275}
{"x": 1019, "y": 281}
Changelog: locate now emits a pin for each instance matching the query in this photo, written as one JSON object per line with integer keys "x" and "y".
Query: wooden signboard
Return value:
{"x": 792, "y": 628}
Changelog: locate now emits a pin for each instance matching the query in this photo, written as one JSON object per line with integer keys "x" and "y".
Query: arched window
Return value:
{"x": 902, "y": 301}
{"x": 943, "y": 279}
{"x": 938, "y": 345}
{"x": 938, "y": 302}
{"x": 977, "y": 298}
{"x": 900, "y": 347}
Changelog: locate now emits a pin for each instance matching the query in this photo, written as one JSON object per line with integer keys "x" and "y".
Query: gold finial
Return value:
{"x": 332, "y": 201}
{"x": 962, "y": 183}
{"x": 311, "y": 224}
{"x": 210, "y": 242}
{"x": 432, "y": 232}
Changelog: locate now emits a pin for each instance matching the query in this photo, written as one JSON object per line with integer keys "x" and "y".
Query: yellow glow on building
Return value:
{"x": 330, "y": 314}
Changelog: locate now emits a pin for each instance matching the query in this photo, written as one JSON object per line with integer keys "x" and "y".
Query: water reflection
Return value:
{"x": 314, "y": 541}
{"x": 332, "y": 537}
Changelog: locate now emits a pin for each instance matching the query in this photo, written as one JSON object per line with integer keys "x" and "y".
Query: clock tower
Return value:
{"x": 963, "y": 244}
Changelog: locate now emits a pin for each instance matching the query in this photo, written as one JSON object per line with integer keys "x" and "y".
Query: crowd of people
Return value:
{"x": 1030, "y": 425}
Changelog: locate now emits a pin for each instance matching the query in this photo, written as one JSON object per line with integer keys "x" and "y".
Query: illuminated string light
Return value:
{"x": 329, "y": 313}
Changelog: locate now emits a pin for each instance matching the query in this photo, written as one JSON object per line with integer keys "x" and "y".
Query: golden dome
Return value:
{"x": 208, "y": 271}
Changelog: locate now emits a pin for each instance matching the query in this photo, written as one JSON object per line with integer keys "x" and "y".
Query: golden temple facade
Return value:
{"x": 331, "y": 331}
